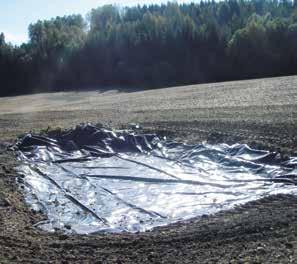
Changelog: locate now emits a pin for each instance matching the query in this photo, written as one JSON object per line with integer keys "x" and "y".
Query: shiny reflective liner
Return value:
{"x": 90, "y": 179}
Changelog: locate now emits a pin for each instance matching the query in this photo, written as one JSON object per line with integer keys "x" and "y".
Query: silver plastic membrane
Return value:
{"x": 91, "y": 179}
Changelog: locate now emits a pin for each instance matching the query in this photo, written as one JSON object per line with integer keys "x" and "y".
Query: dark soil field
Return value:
{"x": 261, "y": 113}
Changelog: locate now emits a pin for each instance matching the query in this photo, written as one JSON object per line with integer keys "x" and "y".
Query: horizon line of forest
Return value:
{"x": 154, "y": 46}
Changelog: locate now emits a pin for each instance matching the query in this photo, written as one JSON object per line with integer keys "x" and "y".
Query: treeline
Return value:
{"x": 154, "y": 46}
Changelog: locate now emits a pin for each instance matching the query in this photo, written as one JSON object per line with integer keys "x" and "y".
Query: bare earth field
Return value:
{"x": 262, "y": 113}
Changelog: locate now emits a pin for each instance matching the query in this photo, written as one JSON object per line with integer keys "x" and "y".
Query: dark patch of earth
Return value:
{"x": 260, "y": 231}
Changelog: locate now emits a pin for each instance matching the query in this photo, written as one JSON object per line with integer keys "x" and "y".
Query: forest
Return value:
{"x": 153, "y": 46}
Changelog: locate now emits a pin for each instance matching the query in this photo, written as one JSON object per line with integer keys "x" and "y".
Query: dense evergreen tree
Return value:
{"x": 154, "y": 46}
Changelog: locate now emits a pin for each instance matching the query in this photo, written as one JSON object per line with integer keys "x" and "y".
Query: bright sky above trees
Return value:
{"x": 16, "y": 15}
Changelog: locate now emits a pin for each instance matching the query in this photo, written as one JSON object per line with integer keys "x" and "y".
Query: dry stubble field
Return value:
{"x": 262, "y": 113}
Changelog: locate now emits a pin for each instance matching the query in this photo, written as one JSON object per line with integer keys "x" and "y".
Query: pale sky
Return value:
{"x": 16, "y": 15}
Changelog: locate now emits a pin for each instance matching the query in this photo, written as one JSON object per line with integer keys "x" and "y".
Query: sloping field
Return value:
{"x": 262, "y": 113}
{"x": 243, "y": 109}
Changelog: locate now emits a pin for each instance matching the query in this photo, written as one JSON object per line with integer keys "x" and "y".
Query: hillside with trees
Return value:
{"x": 154, "y": 46}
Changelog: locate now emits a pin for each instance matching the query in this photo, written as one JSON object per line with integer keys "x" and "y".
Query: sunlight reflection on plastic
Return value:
{"x": 89, "y": 180}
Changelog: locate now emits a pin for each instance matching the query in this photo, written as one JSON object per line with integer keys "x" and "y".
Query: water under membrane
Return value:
{"x": 91, "y": 179}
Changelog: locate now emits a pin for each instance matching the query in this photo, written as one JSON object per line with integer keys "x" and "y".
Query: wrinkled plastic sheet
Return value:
{"x": 90, "y": 179}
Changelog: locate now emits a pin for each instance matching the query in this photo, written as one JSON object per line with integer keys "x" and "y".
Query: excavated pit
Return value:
{"x": 91, "y": 179}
